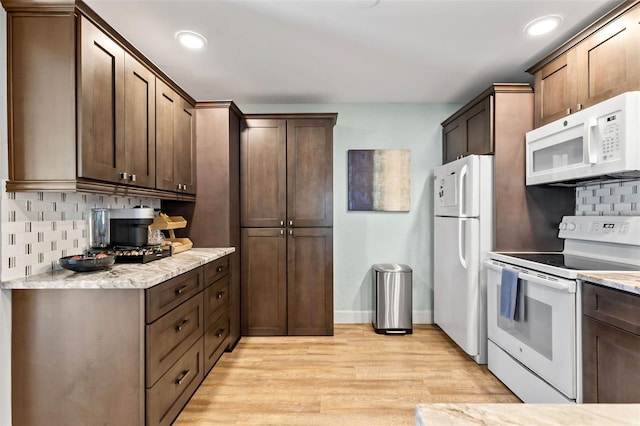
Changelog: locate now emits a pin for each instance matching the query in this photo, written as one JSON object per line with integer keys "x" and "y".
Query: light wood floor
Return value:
{"x": 355, "y": 377}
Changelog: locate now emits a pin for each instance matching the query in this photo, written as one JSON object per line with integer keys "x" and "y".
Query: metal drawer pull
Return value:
{"x": 180, "y": 290}
{"x": 132, "y": 178}
{"x": 220, "y": 332}
{"x": 124, "y": 175}
{"x": 219, "y": 295}
{"x": 182, "y": 324}
{"x": 183, "y": 376}
{"x": 219, "y": 269}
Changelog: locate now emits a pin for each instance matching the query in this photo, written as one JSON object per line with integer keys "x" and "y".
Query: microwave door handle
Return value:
{"x": 461, "y": 194}
{"x": 591, "y": 154}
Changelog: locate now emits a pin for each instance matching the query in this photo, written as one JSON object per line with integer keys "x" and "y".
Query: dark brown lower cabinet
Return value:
{"x": 117, "y": 356}
{"x": 310, "y": 282}
{"x": 610, "y": 345}
{"x": 287, "y": 281}
{"x": 264, "y": 282}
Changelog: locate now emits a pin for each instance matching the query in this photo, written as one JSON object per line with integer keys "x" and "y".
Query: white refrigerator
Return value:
{"x": 463, "y": 234}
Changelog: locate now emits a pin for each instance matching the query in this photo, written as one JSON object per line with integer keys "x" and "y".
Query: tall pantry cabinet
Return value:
{"x": 286, "y": 215}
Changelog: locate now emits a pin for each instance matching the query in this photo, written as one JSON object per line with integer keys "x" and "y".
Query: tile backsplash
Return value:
{"x": 38, "y": 228}
{"x": 611, "y": 198}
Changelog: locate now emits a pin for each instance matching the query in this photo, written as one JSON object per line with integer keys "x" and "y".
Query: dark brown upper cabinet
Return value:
{"x": 174, "y": 142}
{"x": 82, "y": 103}
{"x": 286, "y": 172}
{"x": 600, "y": 62}
{"x": 470, "y": 130}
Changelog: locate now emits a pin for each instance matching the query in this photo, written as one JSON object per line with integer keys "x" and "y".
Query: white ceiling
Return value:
{"x": 335, "y": 51}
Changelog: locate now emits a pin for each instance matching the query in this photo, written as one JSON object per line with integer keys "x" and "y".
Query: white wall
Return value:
{"x": 364, "y": 238}
{"x": 5, "y": 296}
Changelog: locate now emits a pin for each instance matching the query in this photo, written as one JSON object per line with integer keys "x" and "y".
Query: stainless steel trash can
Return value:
{"x": 392, "y": 299}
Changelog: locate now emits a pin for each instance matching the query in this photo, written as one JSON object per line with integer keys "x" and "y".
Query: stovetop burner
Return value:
{"x": 577, "y": 263}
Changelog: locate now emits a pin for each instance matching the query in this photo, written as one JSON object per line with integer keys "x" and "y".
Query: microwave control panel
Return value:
{"x": 609, "y": 128}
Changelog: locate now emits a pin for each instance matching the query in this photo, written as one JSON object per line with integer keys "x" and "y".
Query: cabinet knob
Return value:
{"x": 132, "y": 178}
{"x": 184, "y": 186}
{"x": 568, "y": 111}
{"x": 219, "y": 295}
{"x": 220, "y": 332}
{"x": 290, "y": 231}
{"x": 282, "y": 232}
{"x": 219, "y": 269}
{"x": 290, "y": 222}
{"x": 179, "y": 187}
{"x": 124, "y": 175}
{"x": 282, "y": 223}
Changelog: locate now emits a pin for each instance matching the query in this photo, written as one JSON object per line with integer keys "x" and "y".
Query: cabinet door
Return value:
{"x": 610, "y": 359}
{"x": 264, "y": 282}
{"x": 263, "y": 178}
{"x": 479, "y": 122}
{"x": 309, "y": 172}
{"x": 555, "y": 94}
{"x": 175, "y": 170}
{"x": 140, "y": 122}
{"x": 454, "y": 140}
{"x": 184, "y": 147}
{"x": 310, "y": 282}
{"x": 608, "y": 61}
{"x": 101, "y": 142}
{"x": 166, "y": 100}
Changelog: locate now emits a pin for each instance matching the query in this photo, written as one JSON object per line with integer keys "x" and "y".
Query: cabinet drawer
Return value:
{"x": 166, "y": 296}
{"x": 170, "y": 336}
{"x": 167, "y": 397}
{"x": 213, "y": 271}
{"x": 215, "y": 341}
{"x": 216, "y": 301}
{"x": 612, "y": 306}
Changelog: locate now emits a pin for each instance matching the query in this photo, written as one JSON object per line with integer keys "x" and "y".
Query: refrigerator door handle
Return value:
{"x": 461, "y": 258}
{"x": 461, "y": 194}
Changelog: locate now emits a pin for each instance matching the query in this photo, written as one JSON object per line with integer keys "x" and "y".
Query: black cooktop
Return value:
{"x": 568, "y": 261}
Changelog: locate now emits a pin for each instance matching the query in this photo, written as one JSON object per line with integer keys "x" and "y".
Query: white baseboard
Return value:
{"x": 366, "y": 317}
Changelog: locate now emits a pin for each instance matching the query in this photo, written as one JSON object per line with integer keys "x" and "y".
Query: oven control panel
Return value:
{"x": 613, "y": 229}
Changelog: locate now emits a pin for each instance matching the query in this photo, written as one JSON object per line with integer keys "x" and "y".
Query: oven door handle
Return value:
{"x": 562, "y": 285}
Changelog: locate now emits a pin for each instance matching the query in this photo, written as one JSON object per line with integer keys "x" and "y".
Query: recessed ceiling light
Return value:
{"x": 543, "y": 25}
{"x": 191, "y": 39}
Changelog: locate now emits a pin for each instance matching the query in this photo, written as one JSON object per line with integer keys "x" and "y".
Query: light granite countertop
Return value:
{"x": 136, "y": 276}
{"x": 626, "y": 281}
{"x": 527, "y": 414}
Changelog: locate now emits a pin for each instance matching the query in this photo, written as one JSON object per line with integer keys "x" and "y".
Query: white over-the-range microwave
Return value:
{"x": 599, "y": 142}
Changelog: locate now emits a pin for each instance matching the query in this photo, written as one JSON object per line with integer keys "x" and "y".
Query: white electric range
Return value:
{"x": 537, "y": 353}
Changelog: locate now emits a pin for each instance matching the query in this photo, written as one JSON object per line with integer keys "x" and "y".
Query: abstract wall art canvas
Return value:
{"x": 380, "y": 180}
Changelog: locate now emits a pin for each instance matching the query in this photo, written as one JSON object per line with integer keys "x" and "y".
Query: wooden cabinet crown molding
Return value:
{"x": 329, "y": 115}
{"x": 230, "y": 105}
{"x": 494, "y": 88}
{"x": 590, "y": 29}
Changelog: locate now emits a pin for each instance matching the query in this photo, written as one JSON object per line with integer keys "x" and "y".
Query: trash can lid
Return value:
{"x": 391, "y": 267}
